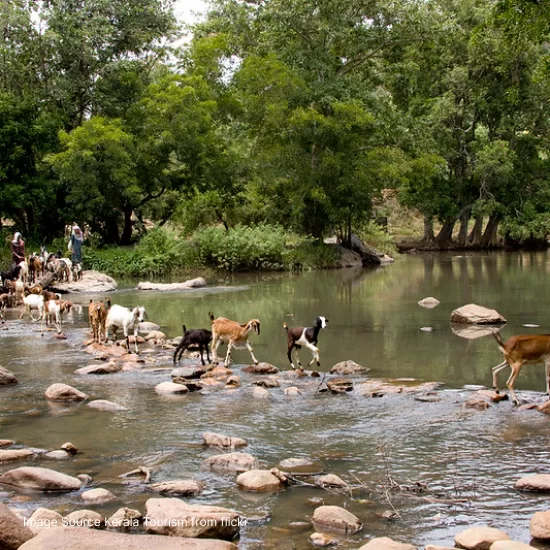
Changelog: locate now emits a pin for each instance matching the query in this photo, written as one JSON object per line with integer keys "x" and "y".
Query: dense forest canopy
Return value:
{"x": 291, "y": 112}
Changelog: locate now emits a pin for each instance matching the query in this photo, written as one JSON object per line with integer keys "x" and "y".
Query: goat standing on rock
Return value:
{"x": 194, "y": 337}
{"x": 235, "y": 334}
{"x": 128, "y": 319}
{"x": 305, "y": 336}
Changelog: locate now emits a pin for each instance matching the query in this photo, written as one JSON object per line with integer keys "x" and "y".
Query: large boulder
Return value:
{"x": 91, "y": 281}
{"x": 64, "y": 392}
{"x": 179, "y": 487}
{"x": 538, "y": 483}
{"x": 479, "y": 538}
{"x": 258, "y": 480}
{"x": 198, "y": 282}
{"x": 172, "y": 516}
{"x": 13, "y": 532}
{"x": 68, "y": 538}
{"x": 385, "y": 543}
{"x": 476, "y": 315}
{"x": 7, "y": 378}
{"x": 334, "y": 518}
{"x": 230, "y": 463}
{"x": 539, "y": 526}
{"x": 40, "y": 479}
{"x": 213, "y": 439}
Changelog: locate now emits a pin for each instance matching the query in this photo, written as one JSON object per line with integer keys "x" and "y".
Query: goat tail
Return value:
{"x": 108, "y": 303}
{"x": 498, "y": 338}
{"x": 211, "y": 315}
{"x": 285, "y": 326}
{"x": 184, "y": 329}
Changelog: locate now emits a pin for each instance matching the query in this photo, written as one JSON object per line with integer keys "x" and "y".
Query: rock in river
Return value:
{"x": 7, "y": 378}
{"x": 97, "y": 496}
{"x": 539, "y": 527}
{"x": 348, "y": 368}
{"x": 539, "y": 483}
{"x": 104, "y": 405}
{"x": 64, "y": 392}
{"x": 7, "y": 455}
{"x": 385, "y": 543}
{"x": 198, "y": 282}
{"x": 179, "y": 487}
{"x": 230, "y": 462}
{"x": 337, "y": 519}
{"x": 90, "y": 539}
{"x": 44, "y": 518}
{"x": 213, "y": 439}
{"x": 191, "y": 520}
{"x": 479, "y": 538}
{"x": 258, "y": 480}
{"x": 40, "y": 479}
{"x": 476, "y": 315}
{"x": 13, "y": 532}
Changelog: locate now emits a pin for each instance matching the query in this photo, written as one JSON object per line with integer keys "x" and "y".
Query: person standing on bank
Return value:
{"x": 75, "y": 245}
{"x": 17, "y": 246}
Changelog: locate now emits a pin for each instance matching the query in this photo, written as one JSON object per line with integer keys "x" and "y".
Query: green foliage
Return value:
{"x": 379, "y": 238}
{"x": 242, "y": 248}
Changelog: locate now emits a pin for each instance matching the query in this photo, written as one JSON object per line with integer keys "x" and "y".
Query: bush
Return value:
{"x": 243, "y": 248}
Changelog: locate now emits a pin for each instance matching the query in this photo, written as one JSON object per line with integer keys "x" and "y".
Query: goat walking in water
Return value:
{"x": 194, "y": 337}
{"x": 305, "y": 336}
{"x": 235, "y": 334}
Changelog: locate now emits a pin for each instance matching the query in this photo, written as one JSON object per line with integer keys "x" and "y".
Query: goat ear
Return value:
{"x": 258, "y": 328}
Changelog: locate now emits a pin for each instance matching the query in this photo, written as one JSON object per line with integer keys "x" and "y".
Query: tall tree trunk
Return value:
{"x": 428, "y": 229}
{"x": 110, "y": 231}
{"x": 489, "y": 235}
{"x": 474, "y": 238}
{"x": 445, "y": 236}
{"x": 463, "y": 232}
{"x": 126, "y": 237}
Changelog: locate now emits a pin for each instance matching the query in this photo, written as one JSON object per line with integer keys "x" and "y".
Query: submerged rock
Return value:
{"x": 7, "y": 378}
{"x": 104, "y": 405}
{"x": 321, "y": 540}
{"x": 179, "y": 487}
{"x": 331, "y": 480}
{"x": 13, "y": 532}
{"x": 385, "y": 543}
{"x": 194, "y": 520}
{"x": 429, "y": 303}
{"x": 230, "y": 463}
{"x": 213, "y": 439}
{"x": 476, "y": 315}
{"x": 91, "y": 539}
{"x": 40, "y": 479}
{"x": 261, "y": 368}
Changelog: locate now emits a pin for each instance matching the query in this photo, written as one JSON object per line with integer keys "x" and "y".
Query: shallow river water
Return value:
{"x": 467, "y": 460}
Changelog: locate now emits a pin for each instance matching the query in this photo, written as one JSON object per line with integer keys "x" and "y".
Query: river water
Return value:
{"x": 466, "y": 461}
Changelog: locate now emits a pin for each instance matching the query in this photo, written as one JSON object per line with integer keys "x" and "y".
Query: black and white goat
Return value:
{"x": 194, "y": 337}
{"x": 305, "y": 336}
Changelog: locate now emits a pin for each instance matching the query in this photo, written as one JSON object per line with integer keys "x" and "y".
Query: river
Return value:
{"x": 469, "y": 459}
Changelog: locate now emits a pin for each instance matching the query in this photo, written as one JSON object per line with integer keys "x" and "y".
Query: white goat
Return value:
{"x": 127, "y": 319}
{"x": 235, "y": 334}
{"x": 23, "y": 272}
{"x": 54, "y": 311}
{"x": 33, "y": 302}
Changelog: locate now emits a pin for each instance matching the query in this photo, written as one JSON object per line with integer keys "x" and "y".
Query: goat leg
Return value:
{"x": 249, "y": 348}
{"x": 496, "y": 369}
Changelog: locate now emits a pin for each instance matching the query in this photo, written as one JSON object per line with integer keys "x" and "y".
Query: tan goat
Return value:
{"x": 234, "y": 334}
{"x": 97, "y": 313}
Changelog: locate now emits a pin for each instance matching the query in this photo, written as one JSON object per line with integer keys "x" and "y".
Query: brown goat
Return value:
{"x": 234, "y": 334}
{"x": 97, "y": 313}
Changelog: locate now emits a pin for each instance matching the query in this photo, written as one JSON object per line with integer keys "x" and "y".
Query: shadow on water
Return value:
{"x": 469, "y": 460}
